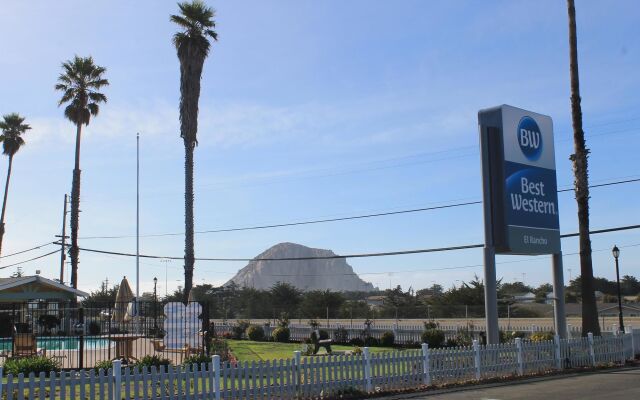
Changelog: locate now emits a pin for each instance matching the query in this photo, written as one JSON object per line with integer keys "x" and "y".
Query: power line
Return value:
{"x": 335, "y": 256}
{"x": 27, "y": 250}
{"x": 29, "y": 260}
{"x": 348, "y": 218}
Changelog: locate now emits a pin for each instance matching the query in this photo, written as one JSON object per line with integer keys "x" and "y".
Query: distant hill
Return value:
{"x": 334, "y": 274}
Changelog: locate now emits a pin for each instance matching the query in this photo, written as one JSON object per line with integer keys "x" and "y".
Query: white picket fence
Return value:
{"x": 324, "y": 376}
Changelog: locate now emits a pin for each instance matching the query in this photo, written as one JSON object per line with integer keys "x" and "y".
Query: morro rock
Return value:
{"x": 334, "y": 274}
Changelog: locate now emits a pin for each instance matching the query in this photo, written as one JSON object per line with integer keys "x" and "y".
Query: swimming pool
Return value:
{"x": 61, "y": 343}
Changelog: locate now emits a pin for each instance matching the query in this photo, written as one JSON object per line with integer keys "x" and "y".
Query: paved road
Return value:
{"x": 623, "y": 384}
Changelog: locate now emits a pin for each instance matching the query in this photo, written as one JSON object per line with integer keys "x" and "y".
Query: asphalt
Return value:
{"x": 615, "y": 384}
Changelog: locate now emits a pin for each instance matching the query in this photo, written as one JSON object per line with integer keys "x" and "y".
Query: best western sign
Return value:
{"x": 520, "y": 188}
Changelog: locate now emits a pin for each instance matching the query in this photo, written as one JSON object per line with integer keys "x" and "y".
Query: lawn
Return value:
{"x": 247, "y": 350}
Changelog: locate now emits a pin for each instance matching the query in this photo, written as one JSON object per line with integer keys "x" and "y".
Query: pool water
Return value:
{"x": 61, "y": 343}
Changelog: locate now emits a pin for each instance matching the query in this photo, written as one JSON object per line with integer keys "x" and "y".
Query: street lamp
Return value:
{"x": 616, "y": 254}
{"x": 155, "y": 306}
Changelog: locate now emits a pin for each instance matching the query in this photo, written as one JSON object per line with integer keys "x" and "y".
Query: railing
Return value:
{"x": 404, "y": 334}
{"x": 325, "y": 376}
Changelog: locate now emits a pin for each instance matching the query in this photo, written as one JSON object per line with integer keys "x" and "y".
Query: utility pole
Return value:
{"x": 63, "y": 239}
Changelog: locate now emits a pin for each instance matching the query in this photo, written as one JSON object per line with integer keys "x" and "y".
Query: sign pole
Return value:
{"x": 491, "y": 295}
{"x": 558, "y": 296}
{"x": 490, "y": 289}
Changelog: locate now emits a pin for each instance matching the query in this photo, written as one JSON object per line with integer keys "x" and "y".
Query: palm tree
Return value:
{"x": 80, "y": 83}
{"x": 192, "y": 44}
{"x": 13, "y": 127}
{"x": 581, "y": 185}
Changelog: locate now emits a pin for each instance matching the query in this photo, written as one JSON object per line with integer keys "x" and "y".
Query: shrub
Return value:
{"x": 371, "y": 341}
{"x": 351, "y": 393}
{"x": 152, "y": 361}
{"x": 356, "y": 342}
{"x": 430, "y": 325}
{"x": 433, "y": 337}
{"x": 30, "y": 364}
{"x": 283, "y": 320}
{"x": 103, "y": 365}
{"x": 94, "y": 328}
{"x": 221, "y": 348}
{"x": 239, "y": 329}
{"x": 387, "y": 339}
{"x": 196, "y": 359}
{"x": 518, "y": 334}
{"x": 341, "y": 335}
{"x": 227, "y": 335}
{"x": 541, "y": 336}
{"x": 255, "y": 333}
{"x": 463, "y": 337}
{"x": 281, "y": 334}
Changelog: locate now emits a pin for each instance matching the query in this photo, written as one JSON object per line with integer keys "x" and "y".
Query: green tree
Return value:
{"x": 630, "y": 285}
{"x": 192, "y": 44}
{"x": 80, "y": 82}
{"x": 102, "y": 297}
{"x": 316, "y": 303}
{"x": 581, "y": 184}
{"x": 515, "y": 288}
{"x": 285, "y": 297}
{"x": 13, "y": 127}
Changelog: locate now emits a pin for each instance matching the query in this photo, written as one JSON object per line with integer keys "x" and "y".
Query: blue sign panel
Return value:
{"x": 521, "y": 193}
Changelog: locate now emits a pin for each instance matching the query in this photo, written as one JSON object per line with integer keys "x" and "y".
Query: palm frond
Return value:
{"x": 197, "y": 22}
{"x": 97, "y": 97}
{"x": 80, "y": 81}
{"x": 13, "y": 127}
{"x": 93, "y": 108}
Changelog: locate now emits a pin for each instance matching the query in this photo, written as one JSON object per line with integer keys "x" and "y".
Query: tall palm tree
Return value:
{"x": 581, "y": 185}
{"x": 192, "y": 44}
{"x": 13, "y": 127}
{"x": 80, "y": 83}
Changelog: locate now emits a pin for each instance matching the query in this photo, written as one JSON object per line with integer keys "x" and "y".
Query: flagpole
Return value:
{"x": 137, "y": 216}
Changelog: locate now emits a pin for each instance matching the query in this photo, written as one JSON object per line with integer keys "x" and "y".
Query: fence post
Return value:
{"x": 591, "y": 351}
{"x": 426, "y": 366}
{"x": 520, "y": 357}
{"x": 476, "y": 349}
{"x": 296, "y": 371}
{"x": 556, "y": 340}
{"x": 117, "y": 379}
{"x": 367, "y": 370}
{"x": 215, "y": 368}
{"x": 80, "y": 328}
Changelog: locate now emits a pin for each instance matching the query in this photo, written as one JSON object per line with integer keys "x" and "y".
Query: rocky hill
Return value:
{"x": 334, "y": 274}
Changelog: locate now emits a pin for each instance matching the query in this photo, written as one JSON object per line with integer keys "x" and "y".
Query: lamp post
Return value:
{"x": 155, "y": 305}
{"x": 616, "y": 254}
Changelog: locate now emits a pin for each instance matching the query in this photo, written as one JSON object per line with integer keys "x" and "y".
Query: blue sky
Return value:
{"x": 313, "y": 110}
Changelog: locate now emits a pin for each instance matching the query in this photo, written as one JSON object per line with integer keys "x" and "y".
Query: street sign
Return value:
{"x": 520, "y": 187}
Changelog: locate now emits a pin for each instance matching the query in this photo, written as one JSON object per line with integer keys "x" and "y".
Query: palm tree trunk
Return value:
{"x": 74, "y": 251}
{"x": 581, "y": 185}
{"x": 4, "y": 202}
{"x": 189, "y": 258}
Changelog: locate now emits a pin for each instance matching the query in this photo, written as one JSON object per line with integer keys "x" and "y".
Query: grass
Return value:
{"x": 246, "y": 350}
